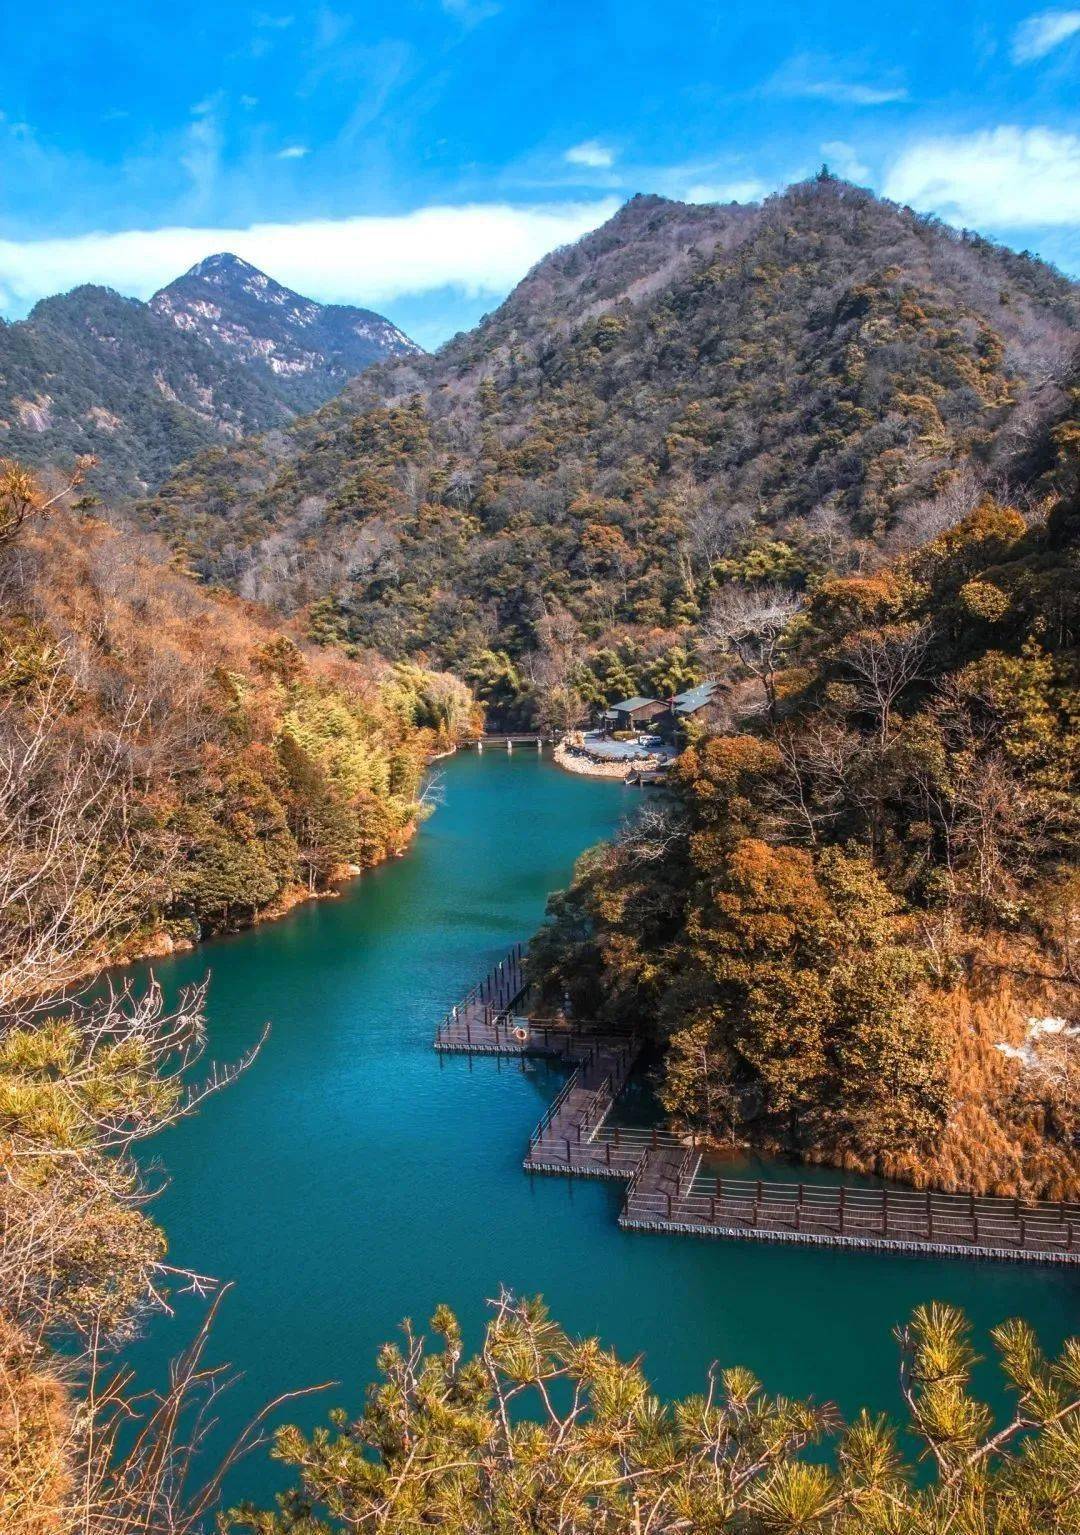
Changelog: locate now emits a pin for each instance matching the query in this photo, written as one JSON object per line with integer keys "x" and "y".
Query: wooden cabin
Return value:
{"x": 633, "y": 714}
{"x": 695, "y": 704}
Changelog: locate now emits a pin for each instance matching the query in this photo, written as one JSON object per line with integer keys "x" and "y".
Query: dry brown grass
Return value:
{"x": 996, "y": 1140}
{"x": 36, "y": 1433}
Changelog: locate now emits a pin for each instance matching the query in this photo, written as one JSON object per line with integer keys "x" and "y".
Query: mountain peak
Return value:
{"x": 221, "y": 262}
{"x": 306, "y": 350}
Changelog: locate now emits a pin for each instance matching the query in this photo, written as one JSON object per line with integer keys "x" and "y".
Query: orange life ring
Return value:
{"x": 521, "y": 1035}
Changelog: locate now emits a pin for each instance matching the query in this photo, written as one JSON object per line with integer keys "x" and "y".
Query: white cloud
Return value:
{"x": 1004, "y": 178}
{"x": 479, "y": 248}
{"x": 293, "y": 152}
{"x": 591, "y": 153}
{"x": 816, "y": 78}
{"x": 844, "y": 160}
{"x": 1040, "y": 34}
{"x": 853, "y": 94}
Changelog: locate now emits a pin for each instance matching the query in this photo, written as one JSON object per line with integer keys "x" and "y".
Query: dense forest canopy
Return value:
{"x": 252, "y": 767}
{"x": 687, "y": 397}
{"x": 853, "y": 926}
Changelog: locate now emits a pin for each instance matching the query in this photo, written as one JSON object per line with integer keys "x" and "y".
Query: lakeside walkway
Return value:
{"x": 669, "y": 1190}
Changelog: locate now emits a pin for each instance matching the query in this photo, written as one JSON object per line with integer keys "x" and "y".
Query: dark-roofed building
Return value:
{"x": 633, "y": 713}
{"x": 696, "y": 703}
{"x": 687, "y": 704}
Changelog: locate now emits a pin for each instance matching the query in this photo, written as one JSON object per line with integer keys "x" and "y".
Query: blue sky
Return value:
{"x": 419, "y": 156}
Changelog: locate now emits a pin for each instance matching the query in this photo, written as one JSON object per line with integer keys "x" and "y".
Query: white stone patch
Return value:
{"x": 104, "y": 419}
{"x": 1027, "y": 1053}
{"x": 165, "y": 388}
{"x": 35, "y": 415}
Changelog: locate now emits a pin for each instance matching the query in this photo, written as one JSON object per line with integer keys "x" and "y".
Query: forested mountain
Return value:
{"x": 222, "y": 352}
{"x": 305, "y": 351}
{"x": 853, "y": 929}
{"x": 687, "y": 396}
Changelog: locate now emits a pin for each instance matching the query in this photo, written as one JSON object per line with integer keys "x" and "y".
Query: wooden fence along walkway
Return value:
{"x": 667, "y": 1188}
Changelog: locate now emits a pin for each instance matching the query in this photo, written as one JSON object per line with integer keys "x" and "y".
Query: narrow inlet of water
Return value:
{"x": 351, "y": 1178}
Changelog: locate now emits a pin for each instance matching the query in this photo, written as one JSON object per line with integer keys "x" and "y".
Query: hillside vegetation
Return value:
{"x": 853, "y": 931}
{"x": 685, "y": 397}
{"x": 93, "y": 373}
{"x": 242, "y": 770}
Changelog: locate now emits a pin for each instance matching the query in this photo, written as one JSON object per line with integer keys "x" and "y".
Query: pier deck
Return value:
{"x": 669, "y": 1191}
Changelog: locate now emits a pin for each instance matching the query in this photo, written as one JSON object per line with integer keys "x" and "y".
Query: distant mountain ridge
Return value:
{"x": 222, "y": 352}
{"x": 308, "y": 351}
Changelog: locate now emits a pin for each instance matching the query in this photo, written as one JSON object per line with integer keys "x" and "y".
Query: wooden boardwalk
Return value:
{"x": 667, "y": 1188}
{"x": 483, "y": 1023}
{"x": 571, "y": 1137}
{"x": 843, "y": 1216}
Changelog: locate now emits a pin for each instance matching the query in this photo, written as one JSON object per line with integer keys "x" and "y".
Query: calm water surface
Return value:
{"x": 349, "y": 1179}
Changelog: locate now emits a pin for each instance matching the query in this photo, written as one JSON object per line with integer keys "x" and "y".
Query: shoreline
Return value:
{"x": 161, "y": 944}
{"x": 587, "y": 767}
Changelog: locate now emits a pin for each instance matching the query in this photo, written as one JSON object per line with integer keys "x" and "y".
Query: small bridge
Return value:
{"x": 525, "y": 738}
{"x": 667, "y": 1188}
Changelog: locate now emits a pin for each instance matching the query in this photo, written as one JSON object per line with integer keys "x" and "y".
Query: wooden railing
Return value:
{"x": 553, "y": 1108}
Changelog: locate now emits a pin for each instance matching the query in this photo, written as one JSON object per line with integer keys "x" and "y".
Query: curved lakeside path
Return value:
{"x": 350, "y": 1179}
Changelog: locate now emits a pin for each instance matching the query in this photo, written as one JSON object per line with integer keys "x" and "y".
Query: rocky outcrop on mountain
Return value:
{"x": 307, "y": 351}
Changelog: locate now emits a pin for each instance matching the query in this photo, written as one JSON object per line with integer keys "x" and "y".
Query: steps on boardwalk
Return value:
{"x": 568, "y": 1137}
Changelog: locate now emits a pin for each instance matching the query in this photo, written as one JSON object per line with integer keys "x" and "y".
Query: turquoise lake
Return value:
{"x": 350, "y": 1179}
